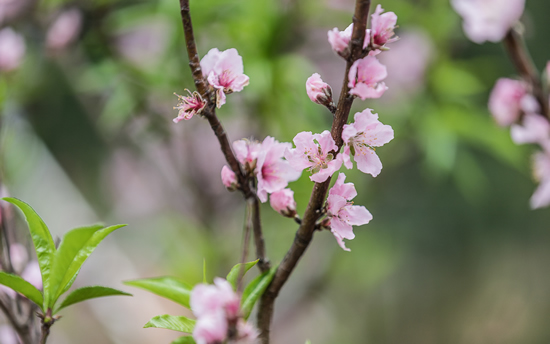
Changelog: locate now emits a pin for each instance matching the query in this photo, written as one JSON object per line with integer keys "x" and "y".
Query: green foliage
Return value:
{"x": 255, "y": 290}
{"x": 59, "y": 267}
{"x": 21, "y": 286}
{"x": 170, "y": 322}
{"x": 87, "y": 293}
{"x": 233, "y": 275}
{"x": 168, "y": 287}
{"x": 184, "y": 340}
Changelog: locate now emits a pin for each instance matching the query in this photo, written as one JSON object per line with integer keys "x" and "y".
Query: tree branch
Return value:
{"x": 519, "y": 55}
{"x": 305, "y": 232}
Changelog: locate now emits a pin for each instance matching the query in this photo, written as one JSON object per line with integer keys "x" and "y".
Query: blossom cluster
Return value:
{"x": 219, "y": 318}
{"x": 272, "y": 165}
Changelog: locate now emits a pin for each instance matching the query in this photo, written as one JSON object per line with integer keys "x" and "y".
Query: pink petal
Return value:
{"x": 209, "y": 61}
{"x": 344, "y": 229}
{"x": 340, "y": 241}
{"x": 541, "y": 197}
{"x": 229, "y": 60}
{"x": 345, "y": 190}
{"x": 348, "y": 132}
{"x": 358, "y": 215}
{"x": 368, "y": 162}
{"x": 335, "y": 203}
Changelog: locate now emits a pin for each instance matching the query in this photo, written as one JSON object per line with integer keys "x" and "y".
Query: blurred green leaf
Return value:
{"x": 168, "y": 287}
{"x": 184, "y": 340}
{"x": 23, "y": 287}
{"x": 233, "y": 275}
{"x": 87, "y": 293}
{"x": 170, "y": 322}
{"x": 254, "y": 291}
{"x": 449, "y": 79}
{"x": 43, "y": 242}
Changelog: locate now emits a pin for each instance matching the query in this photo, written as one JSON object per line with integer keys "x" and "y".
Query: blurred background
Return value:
{"x": 453, "y": 255}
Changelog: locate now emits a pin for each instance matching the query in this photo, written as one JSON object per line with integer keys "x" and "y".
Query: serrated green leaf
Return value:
{"x": 233, "y": 275}
{"x": 23, "y": 287}
{"x": 81, "y": 257}
{"x": 254, "y": 291}
{"x": 87, "y": 293}
{"x": 71, "y": 244}
{"x": 168, "y": 287}
{"x": 170, "y": 322}
{"x": 184, "y": 340}
{"x": 42, "y": 240}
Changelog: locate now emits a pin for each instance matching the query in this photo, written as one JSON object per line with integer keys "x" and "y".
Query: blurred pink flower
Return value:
{"x": 318, "y": 91}
{"x": 505, "y": 100}
{"x": 229, "y": 179}
{"x": 246, "y": 333}
{"x": 64, "y": 30}
{"x": 224, "y": 71}
{"x": 365, "y": 76}
{"x": 488, "y": 20}
{"x": 283, "y": 202}
{"x": 189, "y": 106}
{"x": 342, "y": 214}
{"x": 382, "y": 26}
{"x": 32, "y": 274}
{"x": 211, "y": 328}
{"x": 210, "y": 298}
{"x": 12, "y": 49}
{"x": 541, "y": 172}
{"x": 534, "y": 129}
{"x": 360, "y": 138}
{"x": 339, "y": 40}
{"x": 314, "y": 152}
{"x": 272, "y": 171}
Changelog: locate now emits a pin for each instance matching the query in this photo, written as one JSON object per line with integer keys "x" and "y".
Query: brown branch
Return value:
{"x": 219, "y": 131}
{"x": 519, "y": 55}
{"x": 313, "y": 211}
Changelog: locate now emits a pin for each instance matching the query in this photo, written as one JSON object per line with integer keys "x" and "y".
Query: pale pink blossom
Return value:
{"x": 382, "y": 27}
{"x": 247, "y": 153}
{"x": 341, "y": 212}
{"x": 189, "y": 106}
{"x": 360, "y": 138}
{"x": 365, "y": 78}
{"x": 64, "y": 30}
{"x": 210, "y": 298}
{"x": 12, "y": 49}
{"x": 505, "y": 100}
{"x": 272, "y": 171}
{"x": 211, "y": 328}
{"x": 488, "y": 20}
{"x": 246, "y": 333}
{"x": 339, "y": 40}
{"x": 541, "y": 172}
{"x": 533, "y": 129}
{"x": 314, "y": 152}
{"x": 283, "y": 202}
{"x": 318, "y": 91}
{"x": 229, "y": 179}
{"x": 32, "y": 274}
{"x": 225, "y": 72}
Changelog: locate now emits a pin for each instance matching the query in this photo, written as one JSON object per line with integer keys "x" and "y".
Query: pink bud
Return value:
{"x": 505, "y": 100}
{"x": 318, "y": 91}
{"x": 283, "y": 202}
{"x": 339, "y": 40}
{"x": 229, "y": 179}
{"x": 64, "y": 30}
{"x": 12, "y": 49}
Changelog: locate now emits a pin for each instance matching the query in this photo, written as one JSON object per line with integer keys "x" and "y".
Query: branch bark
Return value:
{"x": 519, "y": 55}
{"x": 210, "y": 114}
{"x": 304, "y": 235}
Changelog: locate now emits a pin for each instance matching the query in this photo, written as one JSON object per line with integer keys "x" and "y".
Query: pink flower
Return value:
{"x": 12, "y": 49}
{"x": 229, "y": 179}
{"x": 208, "y": 299}
{"x": 318, "y": 91}
{"x": 224, "y": 71}
{"x": 246, "y": 333}
{"x": 247, "y": 153}
{"x": 283, "y": 202}
{"x": 382, "y": 27}
{"x": 505, "y": 101}
{"x": 488, "y": 20}
{"x": 189, "y": 106}
{"x": 541, "y": 171}
{"x": 365, "y": 76}
{"x": 273, "y": 173}
{"x": 361, "y": 137}
{"x": 32, "y": 274}
{"x": 211, "y": 328}
{"x": 314, "y": 152}
{"x": 342, "y": 214}
{"x": 339, "y": 40}
{"x": 534, "y": 129}
{"x": 64, "y": 30}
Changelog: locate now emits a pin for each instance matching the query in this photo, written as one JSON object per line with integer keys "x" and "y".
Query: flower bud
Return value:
{"x": 229, "y": 179}
{"x": 283, "y": 202}
{"x": 318, "y": 91}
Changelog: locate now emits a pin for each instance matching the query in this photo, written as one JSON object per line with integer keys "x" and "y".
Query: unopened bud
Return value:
{"x": 283, "y": 202}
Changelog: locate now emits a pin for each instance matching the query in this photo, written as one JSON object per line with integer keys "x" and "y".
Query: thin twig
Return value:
{"x": 246, "y": 239}
{"x": 313, "y": 211}
{"x": 519, "y": 55}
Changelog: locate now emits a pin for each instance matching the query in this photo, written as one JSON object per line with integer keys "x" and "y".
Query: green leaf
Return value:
{"x": 233, "y": 275}
{"x": 168, "y": 287}
{"x": 43, "y": 242}
{"x": 254, "y": 291}
{"x": 87, "y": 293}
{"x": 81, "y": 256}
{"x": 21, "y": 286}
{"x": 170, "y": 322}
{"x": 184, "y": 340}
{"x": 71, "y": 244}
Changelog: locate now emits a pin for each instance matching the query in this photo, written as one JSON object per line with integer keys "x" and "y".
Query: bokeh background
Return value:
{"x": 453, "y": 255}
